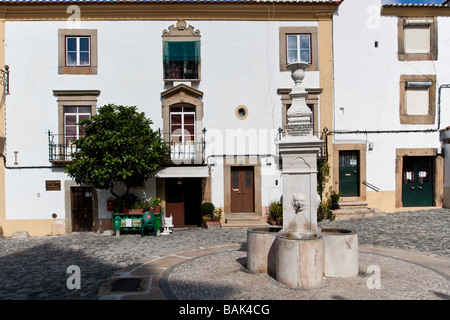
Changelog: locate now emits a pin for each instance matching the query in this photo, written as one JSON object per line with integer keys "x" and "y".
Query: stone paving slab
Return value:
{"x": 153, "y": 268}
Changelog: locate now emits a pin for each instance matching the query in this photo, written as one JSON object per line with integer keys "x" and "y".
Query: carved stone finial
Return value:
{"x": 181, "y": 25}
{"x": 181, "y": 29}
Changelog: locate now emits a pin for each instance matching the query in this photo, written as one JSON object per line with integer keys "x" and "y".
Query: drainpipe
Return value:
{"x": 444, "y": 86}
{"x": 28, "y": 167}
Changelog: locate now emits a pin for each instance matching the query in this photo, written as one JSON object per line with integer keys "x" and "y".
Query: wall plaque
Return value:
{"x": 52, "y": 185}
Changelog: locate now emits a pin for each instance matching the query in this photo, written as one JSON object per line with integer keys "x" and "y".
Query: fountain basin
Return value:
{"x": 261, "y": 249}
{"x": 340, "y": 254}
{"x": 299, "y": 260}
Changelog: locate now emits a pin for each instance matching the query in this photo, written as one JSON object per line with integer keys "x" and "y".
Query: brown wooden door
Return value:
{"x": 175, "y": 201}
{"x": 82, "y": 219}
{"x": 242, "y": 189}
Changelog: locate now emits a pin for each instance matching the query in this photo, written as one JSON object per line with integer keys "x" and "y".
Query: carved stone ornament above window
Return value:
{"x": 181, "y": 30}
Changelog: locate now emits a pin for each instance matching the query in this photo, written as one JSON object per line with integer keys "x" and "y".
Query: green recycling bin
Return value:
{"x": 158, "y": 221}
{"x": 117, "y": 223}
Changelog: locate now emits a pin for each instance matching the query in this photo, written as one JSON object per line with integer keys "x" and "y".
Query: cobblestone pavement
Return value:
{"x": 35, "y": 268}
{"x": 230, "y": 280}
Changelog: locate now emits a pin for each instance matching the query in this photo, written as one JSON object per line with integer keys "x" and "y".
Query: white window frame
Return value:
{"x": 77, "y": 114}
{"x": 183, "y": 132}
{"x": 78, "y": 51}
{"x": 299, "y": 48}
{"x": 182, "y": 150}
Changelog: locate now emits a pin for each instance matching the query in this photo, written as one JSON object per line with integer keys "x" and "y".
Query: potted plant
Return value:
{"x": 146, "y": 205}
{"x": 127, "y": 201}
{"x": 211, "y": 216}
{"x": 213, "y": 219}
{"x": 136, "y": 208}
{"x": 275, "y": 216}
{"x": 334, "y": 199}
{"x": 156, "y": 204}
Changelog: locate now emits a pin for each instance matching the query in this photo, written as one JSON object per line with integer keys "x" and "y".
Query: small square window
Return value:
{"x": 417, "y": 39}
{"x": 298, "y": 48}
{"x": 417, "y": 99}
{"x": 299, "y": 44}
{"x": 77, "y": 51}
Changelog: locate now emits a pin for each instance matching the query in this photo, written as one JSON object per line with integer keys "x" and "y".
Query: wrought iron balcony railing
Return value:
{"x": 189, "y": 152}
{"x": 60, "y": 148}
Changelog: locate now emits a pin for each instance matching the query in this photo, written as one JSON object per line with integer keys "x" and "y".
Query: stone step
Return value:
{"x": 354, "y": 213}
{"x": 243, "y": 220}
{"x": 243, "y": 216}
{"x": 344, "y": 204}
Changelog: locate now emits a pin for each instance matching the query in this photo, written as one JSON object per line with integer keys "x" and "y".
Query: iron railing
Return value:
{"x": 189, "y": 152}
{"x": 4, "y": 80}
{"x": 60, "y": 147}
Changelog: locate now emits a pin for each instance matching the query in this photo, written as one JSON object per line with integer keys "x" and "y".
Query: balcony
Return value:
{"x": 60, "y": 148}
{"x": 189, "y": 152}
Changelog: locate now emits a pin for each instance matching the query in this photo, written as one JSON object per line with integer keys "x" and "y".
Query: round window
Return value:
{"x": 241, "y": 112}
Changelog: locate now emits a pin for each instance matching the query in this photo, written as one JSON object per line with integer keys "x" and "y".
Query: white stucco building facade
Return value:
{"x": 391, "y": 67}
{"x": 377, "y": 83}
{"x": 237, "y": 98}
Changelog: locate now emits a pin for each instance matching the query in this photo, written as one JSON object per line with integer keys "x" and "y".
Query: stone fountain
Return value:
{"x": 294, "y": 254}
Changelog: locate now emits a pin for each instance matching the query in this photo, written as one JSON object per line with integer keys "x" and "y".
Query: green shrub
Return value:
{"x": 275, "y": 210}
{"x": 207, "y": 208}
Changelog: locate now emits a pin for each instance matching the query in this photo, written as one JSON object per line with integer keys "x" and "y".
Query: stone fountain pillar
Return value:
{"x": 299, "y": 243}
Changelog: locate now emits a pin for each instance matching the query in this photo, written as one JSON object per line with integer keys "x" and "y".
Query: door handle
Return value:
{"x": 244, "y": 192}
{"x": 420, "y": 188}
{"x": 239, "y": 192}
{"x": 412, "y": 188}
{"x": 354, "y": 171}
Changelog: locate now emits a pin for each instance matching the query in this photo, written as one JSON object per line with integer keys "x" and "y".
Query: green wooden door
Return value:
{"x": 349, "y": 173}
{"x": 417, "y": 186}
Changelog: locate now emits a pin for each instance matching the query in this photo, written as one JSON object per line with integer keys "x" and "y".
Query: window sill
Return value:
{"x": 78, "y": 70}
{"x": 181, "y": 80}
{"x": 61, "y": 162}
{"x": 417, "y": 56}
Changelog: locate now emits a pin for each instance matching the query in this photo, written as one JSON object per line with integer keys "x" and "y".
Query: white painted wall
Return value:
{"x": 367, "y": 85}
{"x": 240, "y": 66}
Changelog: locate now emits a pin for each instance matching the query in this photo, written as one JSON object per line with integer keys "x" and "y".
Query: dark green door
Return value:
{"x": 417, "y": 186}
{"x": 349, "y": 173}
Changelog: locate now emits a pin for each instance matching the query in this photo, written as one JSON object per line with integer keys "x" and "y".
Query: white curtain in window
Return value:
{"x": 417, "y": 101}
{"x": 417, "y": 39}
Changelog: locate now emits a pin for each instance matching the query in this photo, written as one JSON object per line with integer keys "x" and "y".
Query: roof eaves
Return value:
{"x": 318, "y": 2}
